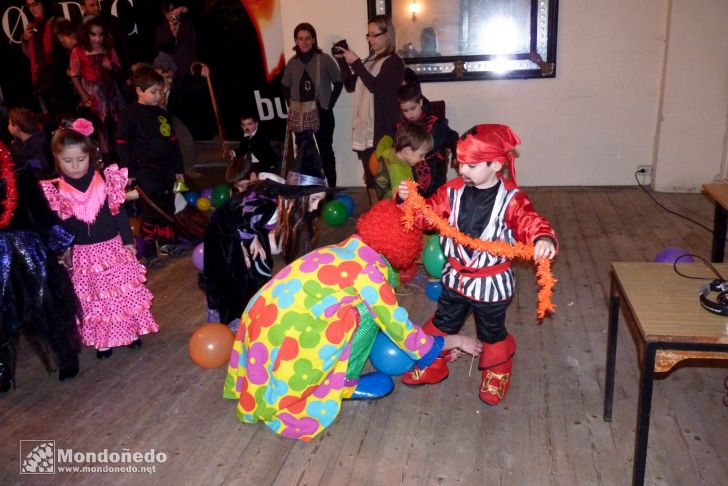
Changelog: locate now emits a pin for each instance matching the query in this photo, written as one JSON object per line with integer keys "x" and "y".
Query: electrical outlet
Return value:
{"x": 644, "y": 175}
{"x": 645, "y": 170}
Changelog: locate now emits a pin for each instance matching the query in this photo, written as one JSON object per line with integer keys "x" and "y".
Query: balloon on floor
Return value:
{"x": 334, "y": 213}
{"x": 433, "y": 290}
{"x": 433, "y": 259}
{"x": 191, "y": 197}
{"x": 220, "y": 194}
{"x": 206, "y": 193}
{"x": 672, "y": 253}
{"x": 388, "y": 358}
{"x": 140, "y": 245}
{"x": 210, "y": 345}
{"x": 198, "y": 257}
{"x": 407, "y": 274}
{"x": 204, "y": 204}
{"x": 347, "y": 201}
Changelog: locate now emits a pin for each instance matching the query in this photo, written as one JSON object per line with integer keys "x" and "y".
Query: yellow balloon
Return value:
{"x": 204, "y": 204}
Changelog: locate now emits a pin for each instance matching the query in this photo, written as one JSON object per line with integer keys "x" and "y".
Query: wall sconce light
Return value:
{"x": 414, "y": 8}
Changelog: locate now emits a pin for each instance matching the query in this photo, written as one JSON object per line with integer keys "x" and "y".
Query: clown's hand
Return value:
{"x": 465, "y": 343}
{"x": 544, "y": 248}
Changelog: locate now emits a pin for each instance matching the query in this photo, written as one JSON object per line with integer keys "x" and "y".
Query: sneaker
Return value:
{"x": 106, "y": 353}
{"x": 172, "y": 249}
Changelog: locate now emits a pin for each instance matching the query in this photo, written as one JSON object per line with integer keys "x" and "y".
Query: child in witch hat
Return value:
{"x": 265, "y": 217}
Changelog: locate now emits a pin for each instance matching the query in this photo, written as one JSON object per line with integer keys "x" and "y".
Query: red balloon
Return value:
{"x": 406, "y": 275}
{"x": 210, "y": 346}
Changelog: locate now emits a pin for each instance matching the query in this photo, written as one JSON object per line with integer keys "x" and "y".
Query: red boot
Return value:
{"x": 496, "y": 361}
{"x": 436, "y": 371}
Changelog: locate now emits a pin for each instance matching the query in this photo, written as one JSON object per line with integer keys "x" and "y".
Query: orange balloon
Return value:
{"x": 136, "y": 225}
{"x": 210, "y": 345}
{"x": 373, "y": 164}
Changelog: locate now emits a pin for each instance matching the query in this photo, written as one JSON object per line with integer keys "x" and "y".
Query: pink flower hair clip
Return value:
{"x": 83, "y": 126}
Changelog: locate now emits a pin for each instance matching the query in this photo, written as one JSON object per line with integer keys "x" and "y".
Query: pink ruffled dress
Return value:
{"x": 108, "y": 279}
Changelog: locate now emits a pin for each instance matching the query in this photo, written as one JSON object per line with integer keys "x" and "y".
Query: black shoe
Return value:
{"x": 104, "y": 354}
{"x": 151, "y": 262}
{"x": 136, "y": 344}
{"x": 69, "y": 371}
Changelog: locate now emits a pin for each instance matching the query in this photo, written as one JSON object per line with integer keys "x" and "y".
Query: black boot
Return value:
{"x": 6, "y": 381}
{"x": 6, "y": 368}
{"x": 69, "y": 369}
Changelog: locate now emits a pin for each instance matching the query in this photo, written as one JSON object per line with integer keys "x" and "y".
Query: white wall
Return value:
{"x": 598, "y": 119}
{"x": 690, "y": 149}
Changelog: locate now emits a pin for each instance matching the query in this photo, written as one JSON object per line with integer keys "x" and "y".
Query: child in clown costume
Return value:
{"x": 483, "y": 204}
{"x": 306, "y": 335}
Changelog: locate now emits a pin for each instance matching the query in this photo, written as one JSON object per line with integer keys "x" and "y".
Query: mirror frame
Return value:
{"x": 539, "y": 63}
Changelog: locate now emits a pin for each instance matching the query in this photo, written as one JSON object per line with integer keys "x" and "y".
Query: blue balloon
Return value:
{"x": 433, "y": 290}
{"x": 347, "y": 200}
{"x": 672, "y": 253}
{"x": 388, "y": 358}
{"x": 373, "y": 385}
{"x": 191, "y": 197}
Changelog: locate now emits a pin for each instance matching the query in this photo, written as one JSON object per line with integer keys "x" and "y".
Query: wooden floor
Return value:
{"x": 548, "y": 431}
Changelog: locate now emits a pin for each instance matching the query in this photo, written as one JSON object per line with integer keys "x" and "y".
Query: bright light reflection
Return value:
{"x": 500, "y": 65}
{"x": 499, "y": 36}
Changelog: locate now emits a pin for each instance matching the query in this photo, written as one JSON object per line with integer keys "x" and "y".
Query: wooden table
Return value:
{"x": 663, "y": 311}
{"x": 719, "y": 194}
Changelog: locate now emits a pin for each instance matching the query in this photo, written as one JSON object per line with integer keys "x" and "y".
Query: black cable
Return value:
{"x": 706, "y": 262}
{"x": 666, "y": 208}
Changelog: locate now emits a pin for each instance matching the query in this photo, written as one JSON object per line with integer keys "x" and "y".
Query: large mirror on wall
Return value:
{"x": 462, "y": 40}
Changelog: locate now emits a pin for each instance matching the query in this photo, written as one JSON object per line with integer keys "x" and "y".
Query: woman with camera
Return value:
{"x": 311, "y": 85}
{"x": 374, "y": 82}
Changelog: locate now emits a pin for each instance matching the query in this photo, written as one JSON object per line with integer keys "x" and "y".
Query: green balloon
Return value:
{"x": 433, "y": 258}
{"x": 334, "y": 213}
{"x": 220, "y": 194}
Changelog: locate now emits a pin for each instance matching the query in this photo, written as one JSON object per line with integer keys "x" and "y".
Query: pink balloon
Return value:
{"x": 198, "y": 256}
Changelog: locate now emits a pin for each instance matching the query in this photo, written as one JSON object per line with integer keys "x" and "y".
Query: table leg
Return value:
{"x": 720, "y": 226}
{"x": 611, "y": 354}
{"x": 643, "y": 415}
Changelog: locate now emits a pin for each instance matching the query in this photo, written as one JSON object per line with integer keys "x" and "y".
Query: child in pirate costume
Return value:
{"x": 483, "y": 204}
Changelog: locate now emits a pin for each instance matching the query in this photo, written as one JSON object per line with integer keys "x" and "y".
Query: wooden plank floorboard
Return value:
{"x": 548, "y": 431}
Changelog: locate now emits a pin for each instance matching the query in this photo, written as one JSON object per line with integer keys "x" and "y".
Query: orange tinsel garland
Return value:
{"x": 544, "y": 277}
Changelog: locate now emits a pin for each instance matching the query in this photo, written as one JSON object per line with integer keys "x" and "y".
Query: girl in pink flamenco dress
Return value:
{"x": 106, "y": 275}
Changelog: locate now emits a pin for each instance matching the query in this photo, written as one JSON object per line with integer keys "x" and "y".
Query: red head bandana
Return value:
{"x": 488, "y": 143}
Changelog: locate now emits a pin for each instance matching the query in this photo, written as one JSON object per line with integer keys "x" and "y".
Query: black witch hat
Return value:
{"x": 307, "y": 168}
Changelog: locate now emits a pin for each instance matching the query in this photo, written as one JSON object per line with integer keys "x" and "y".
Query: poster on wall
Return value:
{"x": 240, "y": 41}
